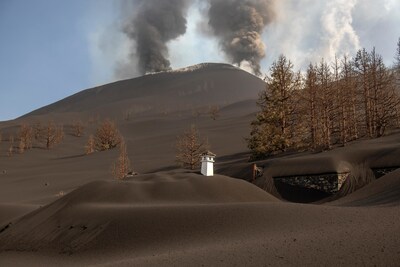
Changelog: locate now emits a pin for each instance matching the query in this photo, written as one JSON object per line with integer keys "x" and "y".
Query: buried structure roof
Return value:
{"x": 209, "y": 154}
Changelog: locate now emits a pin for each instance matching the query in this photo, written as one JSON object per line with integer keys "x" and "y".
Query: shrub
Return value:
{"x": 107, "y": 136}
{"x": 52, "y": 134}
{"x": 214, "y": 112}
{"x": 25, "y": 135}
{"x": 11, "y": 147}
{"x": 90, "y": 145}
{"x": 77, "y": 128}
{"x": 122, "y": 166}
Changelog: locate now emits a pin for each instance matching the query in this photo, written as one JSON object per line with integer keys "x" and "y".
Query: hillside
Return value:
{"x": 186, "y": 89}
{"x": 160, "y": 107}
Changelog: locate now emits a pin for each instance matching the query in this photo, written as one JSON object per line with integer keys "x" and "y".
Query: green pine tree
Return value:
{"x": 273, "y": 128}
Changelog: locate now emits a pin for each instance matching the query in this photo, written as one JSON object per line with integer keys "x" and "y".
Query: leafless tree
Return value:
{"x": 52, "y": 134}
{"x": 127, "y": 114}
{"x": 122, "y": 166}
{"x": 327, "y": 105}
{"x": 349, "y": 92}
{"x": 310, "y": 101}
{"x": 107, "y": 136}
{"x": 397, "y": 62}
{"x": 11, "y": 147}
{"x": 214, "y": 112}
{"x": 78, "y": 128}
{"x": 37, "y": 130}
{"x": 386, "y": 100}
{"x": 90, "y": 145}
{"x": 189, "y": 148}
{"x": 340, "y": 103}
{"x": 25, "y": 135}
{"x": 362, "y": 63}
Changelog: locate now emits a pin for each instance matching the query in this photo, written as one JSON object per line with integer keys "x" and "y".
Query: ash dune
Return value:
{"x": 80, "y": 209}
{"x": 187, "y": 219}
{"x": 381, "y": 192}
{"x": 62, "y": 207}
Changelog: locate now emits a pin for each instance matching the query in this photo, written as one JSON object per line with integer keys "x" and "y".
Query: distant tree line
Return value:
{"x": 330, "y": 104}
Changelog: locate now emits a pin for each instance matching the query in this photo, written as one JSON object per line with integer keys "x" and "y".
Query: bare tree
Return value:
{"x": 397, "y": 77}
{"x": 327, "y": 107}
{"x": 349, "y": 92}
{"x": 122, "y": 166}
{"x": 362, "y": 63}
{"x": 90, "y": 145}
{"x": 396, "y": 65}
{"x": 310, "y": 104}
{"x": 25, "y": 135}
{"x": 37, "y": 130}
{"x": 11, "y": 147}
{"x": 21, "y": 147}
{"x": 214, "y": 112}
{"x": 107, "y": 136}
{"x": 52, "y": 134}
{"x": 340, "y": 123}
{"x": 190, "y": 147}
{"x": 385, "y": 99}
{"x": 397, "y": 56}
{"x": 127, "y": 114}
{"x": 78, "y": 128}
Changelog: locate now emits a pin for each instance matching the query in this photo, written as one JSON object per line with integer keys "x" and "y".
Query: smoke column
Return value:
{"x": 239, "y": 24}
{"x": 150, "y": 25}
{"x": 340, "y": 36}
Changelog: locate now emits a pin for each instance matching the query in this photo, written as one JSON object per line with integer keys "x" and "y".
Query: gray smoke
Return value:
{"x": 239, "y": 24}
{"x": 151, "y": 25}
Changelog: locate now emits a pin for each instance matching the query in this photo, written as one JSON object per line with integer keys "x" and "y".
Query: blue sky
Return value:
{"x": 50, "y": 49}
{"x": 44, "y": 52}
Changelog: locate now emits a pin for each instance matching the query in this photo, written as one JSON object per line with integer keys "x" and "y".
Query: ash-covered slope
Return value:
{"x": 384, "y": 191}
{"x": 184, "y": 89}
{"x": 184, "y": 219}
{"x": 150, "y": 112}
{"x": 62, "y": 223}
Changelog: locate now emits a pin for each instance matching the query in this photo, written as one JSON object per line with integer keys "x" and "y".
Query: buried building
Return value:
{"x": 312, "y": 187}
{"x": 207, "y": 163}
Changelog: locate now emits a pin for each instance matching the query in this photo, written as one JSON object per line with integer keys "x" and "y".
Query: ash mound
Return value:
{"x": 169, "y": 203}
{"x": 383, "y": 191}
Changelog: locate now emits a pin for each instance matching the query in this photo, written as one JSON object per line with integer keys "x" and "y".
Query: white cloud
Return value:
{"x": 338, "y": 32}
{"x": 306, "y": 31}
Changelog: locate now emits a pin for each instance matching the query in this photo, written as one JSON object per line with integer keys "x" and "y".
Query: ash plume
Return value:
{"x": 150, "y": 25}
{"x": 239, "y": 24}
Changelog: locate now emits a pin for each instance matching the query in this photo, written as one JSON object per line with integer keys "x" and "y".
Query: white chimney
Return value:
{"x": 207, "y": 163}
